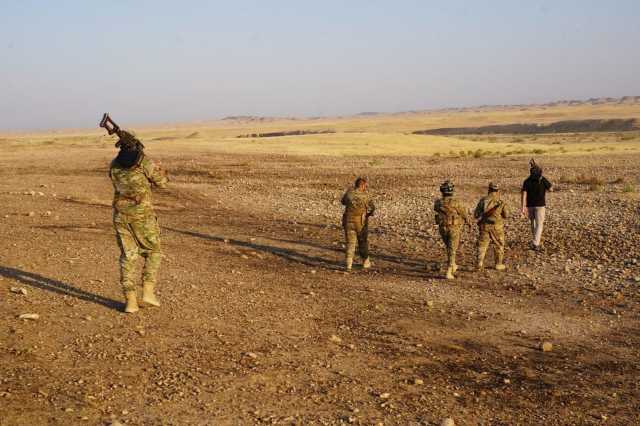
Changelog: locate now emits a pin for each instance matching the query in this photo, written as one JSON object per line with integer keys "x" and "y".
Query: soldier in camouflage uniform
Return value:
{"x": 490, "y": 214}
{"x": 450, "y": 217}
{"x": 137, "y": 230}
{"x": 355, "y": 221}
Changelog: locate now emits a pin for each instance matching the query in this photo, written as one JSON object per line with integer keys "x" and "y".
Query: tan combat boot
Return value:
{"x": 449, "y": 275}
{"x": 132, "y": 302}
{"x": 481, "y": 261}
{"x": 349, "y": 263}
{"x": 148, "y": 295}
{"x": 499, "y": 265}
{"x": 366, "y": 264}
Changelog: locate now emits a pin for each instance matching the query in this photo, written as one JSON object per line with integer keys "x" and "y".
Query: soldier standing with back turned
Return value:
{"x": 450, "y": 217}
{"x": 533, "y": 197}
{"x": 136, "y": 225}
{"x": 490, "y": 214}
{"x": 355, "y": 222}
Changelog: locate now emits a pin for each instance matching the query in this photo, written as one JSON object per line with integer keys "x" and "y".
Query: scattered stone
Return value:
{"x": 29, "y": 316}
{"x": 335, "y": 339}
{"x": 546, "y": 346}
{"x": 19, "y": 290}
{"x": 115, "y": 423}
{"x": 418, "y": 382}
{"x": 47, "y": 213}
{"x": 448, "y": 422}
{"x": 31, "y": 214}
{"x": 251, "y": 355}
{"x": 385, "y": 395}
{"x": 507, "y": 381}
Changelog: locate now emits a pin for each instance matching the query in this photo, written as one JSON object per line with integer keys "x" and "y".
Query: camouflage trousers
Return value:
{"x": 451, "y": 240}
{"x": 491, "y": 234}
{"x": 138, "y": 237}
{"x": 356, "y": 234}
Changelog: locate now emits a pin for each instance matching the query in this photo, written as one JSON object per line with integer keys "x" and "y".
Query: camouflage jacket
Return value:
{"x": 132, "y": 187}
{"x": 358, "y": 204}
{"x": 450, "y": 213}
{"x": 491, "y": 210}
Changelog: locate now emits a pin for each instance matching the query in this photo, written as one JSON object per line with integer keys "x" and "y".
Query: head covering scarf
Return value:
{"x": 131, "y": 150}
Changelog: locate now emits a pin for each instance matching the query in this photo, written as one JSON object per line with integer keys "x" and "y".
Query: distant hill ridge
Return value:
{"x": 625, "y": 100}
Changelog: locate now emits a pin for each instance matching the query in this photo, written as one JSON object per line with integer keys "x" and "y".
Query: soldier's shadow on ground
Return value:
{"x": 412, "y": 267}
{"x": 54, "y": 286}
{"x": 285, "y": 253}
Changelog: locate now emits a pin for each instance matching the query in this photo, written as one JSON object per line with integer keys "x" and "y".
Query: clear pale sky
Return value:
{"x": 64, "y": 63}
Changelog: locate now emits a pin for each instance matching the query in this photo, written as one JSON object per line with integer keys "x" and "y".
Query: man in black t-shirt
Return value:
{"x": 534, "y": 190}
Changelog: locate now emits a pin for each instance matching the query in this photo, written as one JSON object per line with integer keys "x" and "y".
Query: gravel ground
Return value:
{"x": 260, "y": 325}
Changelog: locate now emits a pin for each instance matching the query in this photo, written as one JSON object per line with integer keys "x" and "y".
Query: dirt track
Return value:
{"x": 253, "y": 292}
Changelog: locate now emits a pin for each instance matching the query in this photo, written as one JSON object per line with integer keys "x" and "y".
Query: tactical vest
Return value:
{"x": 492, "y": 215}
{"x": 356, "y": 204}
{"x": 448, "y": 215}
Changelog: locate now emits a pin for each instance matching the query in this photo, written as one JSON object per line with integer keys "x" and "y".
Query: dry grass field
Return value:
{"x": 259, "y": 323}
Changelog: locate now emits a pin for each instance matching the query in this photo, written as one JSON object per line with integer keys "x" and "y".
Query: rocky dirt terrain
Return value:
{"x": 260, "y": 325}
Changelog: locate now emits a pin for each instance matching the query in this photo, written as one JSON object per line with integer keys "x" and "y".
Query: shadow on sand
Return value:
{"x": 412, "y": 267}
{"x": 285, "y": 253}
{"x": 54, "y": 286}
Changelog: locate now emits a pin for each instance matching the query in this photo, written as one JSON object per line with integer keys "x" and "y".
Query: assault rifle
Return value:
{"x": 108, "y": 124}
{"x": 488, "y": 213}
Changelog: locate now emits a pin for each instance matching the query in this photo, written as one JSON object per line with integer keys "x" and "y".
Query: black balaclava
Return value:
{"x": 535, "y": 170}
{"x": 131, "y": 150}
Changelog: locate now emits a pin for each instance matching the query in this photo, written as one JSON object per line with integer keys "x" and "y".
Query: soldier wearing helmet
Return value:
{"x": 490, "y": 214}
{"x": 450, "y": 217}
{"x": 355, "y": 222}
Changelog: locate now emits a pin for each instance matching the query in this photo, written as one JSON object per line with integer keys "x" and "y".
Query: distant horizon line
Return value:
{"x": 560, "y": 102}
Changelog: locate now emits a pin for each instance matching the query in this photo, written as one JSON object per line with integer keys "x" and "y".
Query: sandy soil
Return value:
{"x": 259, "y": 323}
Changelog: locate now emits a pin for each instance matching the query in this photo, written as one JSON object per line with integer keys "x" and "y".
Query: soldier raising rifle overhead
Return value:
{"x": 133, "y": 175}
